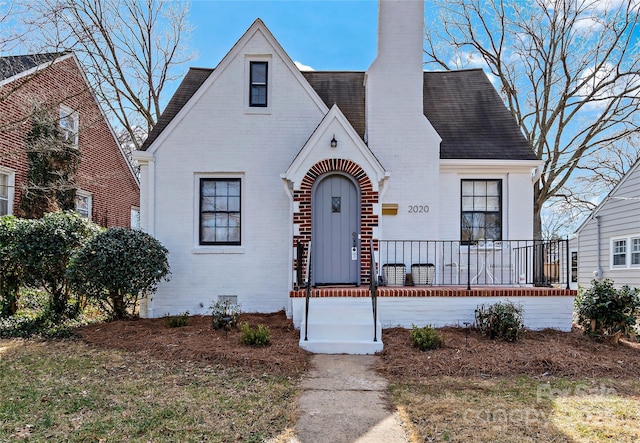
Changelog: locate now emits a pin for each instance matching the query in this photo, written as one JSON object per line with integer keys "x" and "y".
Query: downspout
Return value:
{"x": 598, "y": 272}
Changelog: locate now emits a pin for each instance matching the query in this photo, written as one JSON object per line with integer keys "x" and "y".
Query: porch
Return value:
{"x": 349, "y": 319}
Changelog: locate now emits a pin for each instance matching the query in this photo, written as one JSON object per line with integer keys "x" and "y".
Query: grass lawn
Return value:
{"x": 144, "y": 381}
{"x": 519, "y": 409}
{"x": 68, "y": 391}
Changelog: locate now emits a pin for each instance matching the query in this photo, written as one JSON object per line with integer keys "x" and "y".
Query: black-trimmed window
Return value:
{"x": 258, "y": 77}
{"x": 219, "y": 211}
{"x": 481, "y": 215}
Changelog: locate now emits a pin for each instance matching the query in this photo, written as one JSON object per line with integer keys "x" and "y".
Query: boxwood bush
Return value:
{"x": 607, "y": 312}
{"x": 501, "y": 320}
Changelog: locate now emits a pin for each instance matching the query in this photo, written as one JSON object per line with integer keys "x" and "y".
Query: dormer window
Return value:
{"x": 258, "y": 78}
{"x": 69, "y": 125}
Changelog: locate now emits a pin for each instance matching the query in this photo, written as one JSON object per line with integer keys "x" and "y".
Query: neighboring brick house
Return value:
{"x": 254, "y": 156}
{"x": 107, "y": 187}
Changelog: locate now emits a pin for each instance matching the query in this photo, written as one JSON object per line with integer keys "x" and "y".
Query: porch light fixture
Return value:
{"x": 334, "y": 142}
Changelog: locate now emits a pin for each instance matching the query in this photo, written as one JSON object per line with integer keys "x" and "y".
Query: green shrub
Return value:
{"x": 10, "y": 268}
{"x": 500, "y": 320}
{"x": 258, "y": 336}
{"x": 117, "y": 267}
{"x": 426, "y": 338}
{"x": 605, "y": 311}
{"x": 224, "y": 315}
{"x": 45, "y": 246}
{"x": 34, "y": 318}
{"x": 177, "y": 321}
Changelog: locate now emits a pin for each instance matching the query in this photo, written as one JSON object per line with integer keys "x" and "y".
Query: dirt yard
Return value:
{"x": 466, "y": 353}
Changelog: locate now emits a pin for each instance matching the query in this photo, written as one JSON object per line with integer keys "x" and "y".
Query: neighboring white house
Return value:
{"x": 607, "y": 243}
{"x": 253, "y": 156}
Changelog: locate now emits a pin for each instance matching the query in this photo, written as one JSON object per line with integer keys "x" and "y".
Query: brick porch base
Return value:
{"x": 436, "y": 291}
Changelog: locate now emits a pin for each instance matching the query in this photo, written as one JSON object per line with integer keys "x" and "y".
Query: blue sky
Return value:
{"x": 324, "y": 34}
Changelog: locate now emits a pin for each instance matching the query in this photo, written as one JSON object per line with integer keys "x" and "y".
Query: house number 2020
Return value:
{"x": 418, "y": 209}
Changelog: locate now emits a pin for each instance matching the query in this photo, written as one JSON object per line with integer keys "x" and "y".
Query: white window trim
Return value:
{"x": 631, "y": 239}
{"x": 247, "y": 80}
{"x": 11, "y": 184}
{"x": 89, "y": 196}
{"x": 628, "y": 239}
{"x": 215, "y": 249}
{"x": 65, "y": 110}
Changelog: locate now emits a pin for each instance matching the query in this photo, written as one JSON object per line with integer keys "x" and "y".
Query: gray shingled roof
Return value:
{"x": 469, "y": 115}
{"x": 463, "y": 107}
{"x": 189, "y": 85}
{"x": 346, "y": 89}
{"x": 15, "y": 64}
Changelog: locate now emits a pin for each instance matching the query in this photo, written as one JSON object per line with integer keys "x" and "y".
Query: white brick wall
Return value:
{"x": 398, "y": 132}
{"x": 219, "y": 138}
{"x": 215, "y": 135}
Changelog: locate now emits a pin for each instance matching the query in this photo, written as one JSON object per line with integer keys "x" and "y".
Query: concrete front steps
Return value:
{"x": 341, "y": 326}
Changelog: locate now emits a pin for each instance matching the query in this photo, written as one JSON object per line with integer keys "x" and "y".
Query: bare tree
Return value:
{"x": 9, "y": 34}
{"x": 567, "y": 70}
{"x": 131, "y": 50}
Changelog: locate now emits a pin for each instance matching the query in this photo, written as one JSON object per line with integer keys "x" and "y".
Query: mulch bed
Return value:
{"x": 198, "y": 342}
{"x": 466, "y": 353}
{"x": 548, "y": 353}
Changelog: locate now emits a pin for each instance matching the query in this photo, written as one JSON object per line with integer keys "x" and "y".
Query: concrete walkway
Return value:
{"x": 344, "y": 400}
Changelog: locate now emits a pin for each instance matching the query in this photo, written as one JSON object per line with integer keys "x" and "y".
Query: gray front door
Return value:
{"x": 335, "y": 227}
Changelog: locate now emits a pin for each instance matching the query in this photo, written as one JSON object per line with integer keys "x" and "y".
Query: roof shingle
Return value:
{"x": 463, "y": 107}
{"x": 15, "y": 64}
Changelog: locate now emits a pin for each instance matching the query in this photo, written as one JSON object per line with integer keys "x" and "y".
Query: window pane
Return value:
{"x": 258, "y": 95}
{"x": 222, "y": 234}
{"x": 493, "y": 188}
{"x": 619, "y": 260}
{"x": 4, "y": 207}
{"x": 234, "y": 234}
{"x": 480, "y": 188}
{"x": 83, "y": 204}
{"x": 233, "y": 188}
{"x": 480, "y": 203}
{"x": 234, "y": 204}
{"x": 635, "y": 251}
{"x": 220, "y": 203}
{"x": 258, "y": 73}
{"x": 467, "y": 203}
{"x": 492, "y": 227}
{"x": 493, "y": 203}
{"x": 4, "y": 186}
{"x": 208, "y": 204}
{"x": 467, "y": 187}
{"x": 207, "y": 233}
{"x": 208, "y": 189}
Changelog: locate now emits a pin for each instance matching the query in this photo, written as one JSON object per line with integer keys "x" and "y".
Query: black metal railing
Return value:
{"x": 374, "y": 291}
{"x": 308, "y": 292}
{"x": 298, "y": 264}
{"x": 487, "y": 263}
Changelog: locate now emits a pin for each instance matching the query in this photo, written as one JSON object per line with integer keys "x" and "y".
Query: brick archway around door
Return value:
{"x": 368, "y": 220}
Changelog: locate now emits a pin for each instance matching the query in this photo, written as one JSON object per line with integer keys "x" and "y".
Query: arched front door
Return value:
{"x": 335, "y": 227}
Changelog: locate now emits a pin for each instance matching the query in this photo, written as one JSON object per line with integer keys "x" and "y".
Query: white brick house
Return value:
{"x": 253, "y": 156}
